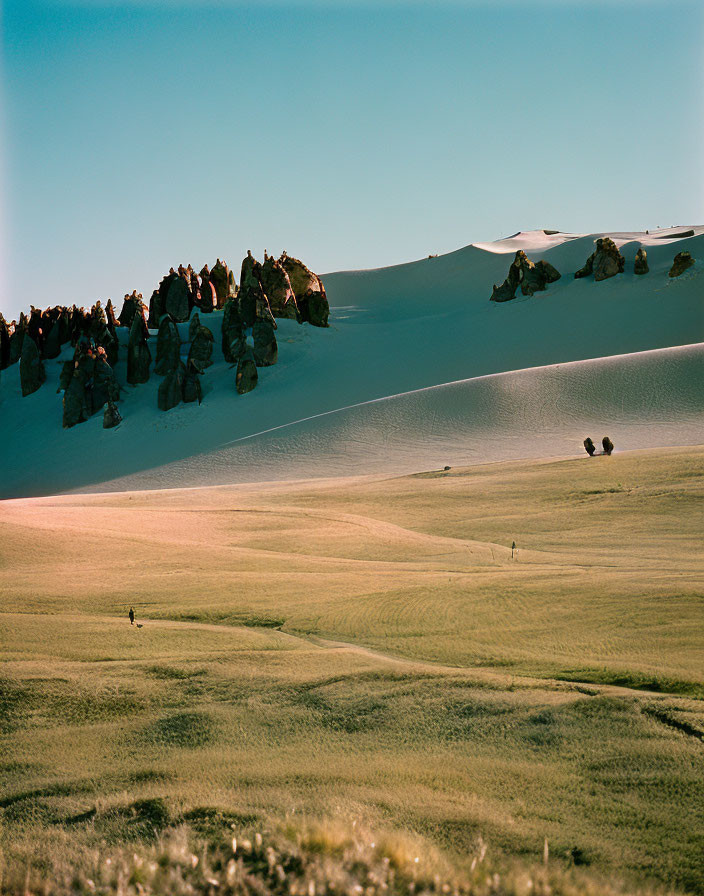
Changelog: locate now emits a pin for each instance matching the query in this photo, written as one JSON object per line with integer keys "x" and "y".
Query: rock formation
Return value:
{"x": 191, "y": 384}
{"x": 266, "y": 350}
{"x": 156, "y": 310}
{"x": 250, "y": 291}
{"x": 683, "y": 260}
{"x": 233, "y": 337}
{"x": 75, "y": 410}
{"x": 170, "y": 388}
{"x": 17, "y": 338}
{"x": 168, "y": 346}
{"x": 193, "y": 327}
{"x": 52, "y": 343}
{"x": 247, "y": 376}
{"x": 105, "y": 386}
{"x": 606, "y": 261}
{"x": 132, "y": 306}
{"x": 530, "y": 277}
{"x": 201, "y": 348}
{"x": 640, "y": 265}
{"x": 177, "y": 299}
{"x": 208, "y": 297}
{"x": 219, "y": 277}
{"x": 4, "y": 344}
{"x": 111, "y": 416}
{"x": 277, "y": 287}
{"x": 309, "y": 291}
{"x": 32, "y": 373}
{"x": 138, "y": 355}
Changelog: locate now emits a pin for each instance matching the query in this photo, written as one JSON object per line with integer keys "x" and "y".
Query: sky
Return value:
{"x": 139, "y": 135}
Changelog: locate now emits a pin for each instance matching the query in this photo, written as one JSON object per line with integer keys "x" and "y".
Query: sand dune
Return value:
{"x": 351, "y": 398}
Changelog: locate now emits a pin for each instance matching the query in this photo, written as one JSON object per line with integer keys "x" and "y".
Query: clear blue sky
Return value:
{"x": 139, "y": 135}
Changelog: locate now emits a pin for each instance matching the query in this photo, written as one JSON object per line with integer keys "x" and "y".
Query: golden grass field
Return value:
{"x": 365, "y": 652}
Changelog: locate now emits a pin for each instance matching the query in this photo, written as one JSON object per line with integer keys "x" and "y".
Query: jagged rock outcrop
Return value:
{"x": 277, "y": 288}
{"x": 17, "y": 338}
{"x": 219, "y": 277}
{"x": 266, "y": 351}
{"x": 201, "y": 348}
{"x": 246, "y": 377}
{"x": 208, "y": 297}
{"x": 171, "y": 388}
{"x": 105, "y": 386}
{"x": 52, "y": 343}
{"x": 309, "y": 291}
{"x": 139, "y": 357}
{"x": 4, "y": 344}
{"x": 111, "y": 416}
{"x": 156, "y": 310}
{"x": 168, "y": 346}
{"x": 251, "y": 291}
{"x": 112, "y": 321}
{"x": 132, "y": 306}
{"x": 177, "y": 299}
{"x": 606, "y": 261}
{"x": 74, "y": 402}
{"x": 32, "y": 372}
{"x": 531, "y": 277}
{"x": 682, "y": 261}
{"x": 640, "y": 264}
{"x": 191, "y": 384}
{"x": 233, "y": 336}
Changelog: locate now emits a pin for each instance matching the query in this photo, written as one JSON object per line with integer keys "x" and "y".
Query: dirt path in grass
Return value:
{"x": 484, "y": 674}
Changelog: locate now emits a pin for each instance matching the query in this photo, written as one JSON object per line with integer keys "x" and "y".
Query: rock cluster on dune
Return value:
{"x": 606, "y": 261}
{"x": 530, "y": 277}
{"x": 248, "y": 337}
{"x": 640, "y": 264}
{"x": 683, "y": 260}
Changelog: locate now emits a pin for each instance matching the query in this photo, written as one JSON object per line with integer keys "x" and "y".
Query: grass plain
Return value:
{"x": 367, "y": 652}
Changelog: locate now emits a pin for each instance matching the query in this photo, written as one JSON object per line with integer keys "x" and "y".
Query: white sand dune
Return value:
{"x": 398, "y": 334}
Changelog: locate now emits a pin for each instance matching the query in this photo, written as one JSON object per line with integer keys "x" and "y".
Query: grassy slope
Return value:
{"x": 607, "y": 588}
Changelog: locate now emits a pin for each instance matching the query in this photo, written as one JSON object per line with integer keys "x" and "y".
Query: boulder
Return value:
{"x": 75, "y": 409}
{"x": 170, "y": 388}
{"x": 111, "y": 416}
{"x": 266, "y": 351}
{"x": 208, "y": 297}
{"x": 682, "y": 261}
{"x": 105, "y": 385}
{"x": 247, "y": 376}
{"x": 191, "y": 390}
{"x": 138, "y": 355}
{"x": 605, "y": 262}
{"x": 530, "y": 277}
{"x": 67, "y": 369}
{"x": 250, "y": 290}
{"x": 32, "y": 373}
{"x": 277, "y": 288}
{"x": 233, "y": 336}
{"x": 640, "y": 264}
{"x": 157, "y": 309}
{"x": 168, "y": 346}
{"x": 4, "y": 344}
{"x": 17, "y": 338}
{"x": 219, "y": 277}
{"x": 177, "y": 299}
{"x": 309, "y": 291}
{"x": 52, "y": 344}
{"x": 131, "y": 306}
{"x": 201, "y": 348}
{"x": 112, "y": 321}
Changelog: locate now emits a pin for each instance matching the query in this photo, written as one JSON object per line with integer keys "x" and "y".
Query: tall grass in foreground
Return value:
{"x": 303, "y": 859}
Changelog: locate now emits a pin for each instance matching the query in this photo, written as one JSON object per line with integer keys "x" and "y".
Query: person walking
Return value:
{"x": 131, "y": 615}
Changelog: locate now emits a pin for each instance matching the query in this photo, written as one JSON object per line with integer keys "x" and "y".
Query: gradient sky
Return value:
{"x": 140, "y": 135}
